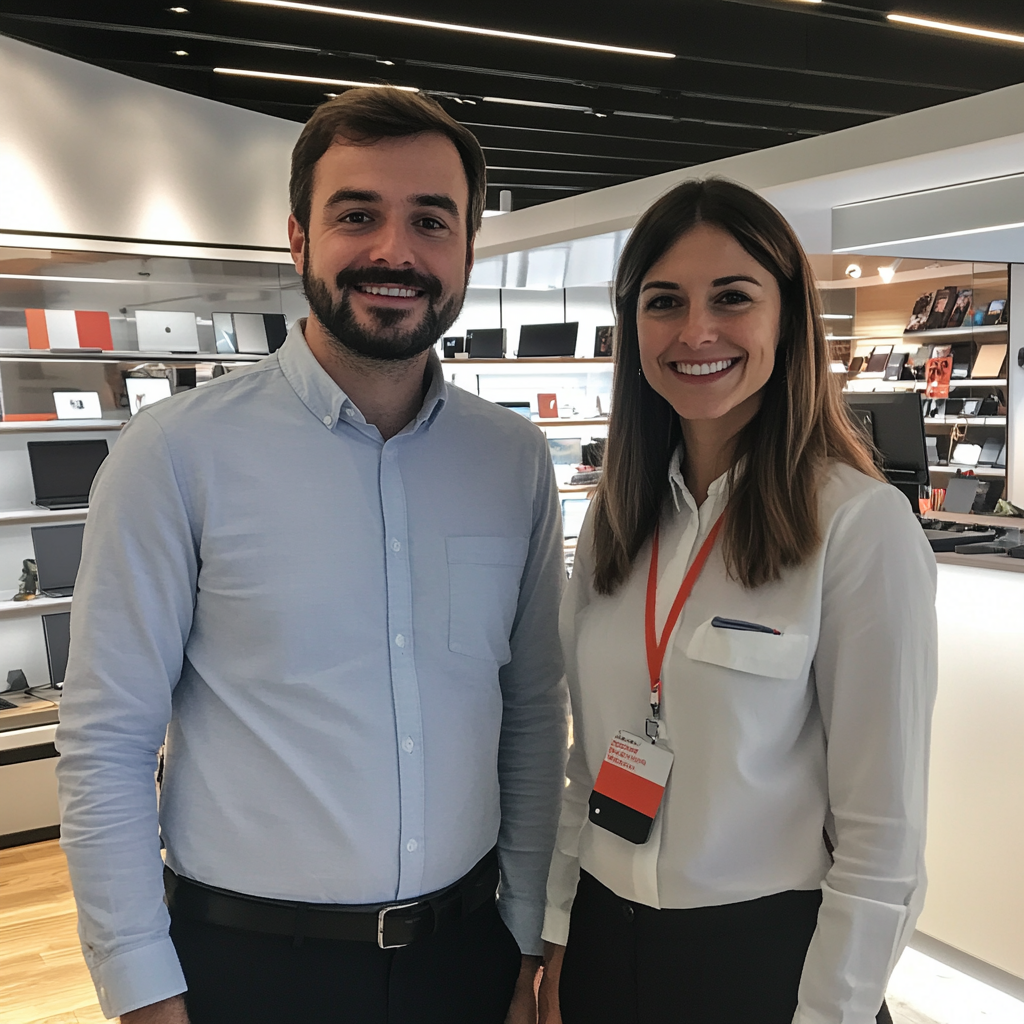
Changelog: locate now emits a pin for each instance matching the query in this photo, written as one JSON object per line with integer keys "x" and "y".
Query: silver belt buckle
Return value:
{"x": 381, "y": 917}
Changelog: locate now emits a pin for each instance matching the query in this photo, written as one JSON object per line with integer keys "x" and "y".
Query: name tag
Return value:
{"x": 630, "y": 786}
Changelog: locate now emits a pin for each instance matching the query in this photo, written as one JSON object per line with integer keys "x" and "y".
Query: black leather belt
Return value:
{"x": 389, "y": 925}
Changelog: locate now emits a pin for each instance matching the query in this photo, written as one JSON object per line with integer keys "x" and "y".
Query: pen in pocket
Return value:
{"x": 749, "y": 627}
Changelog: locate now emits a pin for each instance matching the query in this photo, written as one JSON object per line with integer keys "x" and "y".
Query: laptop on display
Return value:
{"x": 161, "y": 330}
{"x": 58, "y": 551}
{"x": 57, "y": 634}
{"x": 63, "y": 471}
{"x": 544, "y": 340}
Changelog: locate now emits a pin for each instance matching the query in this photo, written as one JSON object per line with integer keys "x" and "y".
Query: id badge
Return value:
{"x": 629, "y": 787}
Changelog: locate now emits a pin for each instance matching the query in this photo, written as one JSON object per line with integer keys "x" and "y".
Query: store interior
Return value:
{"x": 139, "y": 204}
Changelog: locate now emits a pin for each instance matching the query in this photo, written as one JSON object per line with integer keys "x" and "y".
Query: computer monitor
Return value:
{"x": 224, "y": 333}
{"x": 57, "y": 634}
{"x": 143, "y": 391}
{"x": 540, "y": 340}
{"x": 277, "y": 330}
{"x": 895, "y": 425}
{"x": 250, "y": 333}
{"x": 523, "y": 408}
{"x": 58, "y": 551}
{"x": 566, "y": 451}
{"x": 63, "y": 471}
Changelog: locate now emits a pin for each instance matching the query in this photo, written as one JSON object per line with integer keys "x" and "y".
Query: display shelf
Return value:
{"x": 974, "y": 382}
{"x": 40, "y": 606}
{"x": 976, "y": 470}
{"x": 920, "y": 385}
{"x": 21, "y": 516}
{"x": 30, "y": 426}
{"x": 957, "y": 332}
{"x": 1002, "y": 562}
{"x": 971, "y": 421}
{"x": 579, "y": 489}
{"x": 127, "y": 356}
{"x": 970, "y": 519}
{"x": 545, "y": 361}
{"x": 570, "y": 423}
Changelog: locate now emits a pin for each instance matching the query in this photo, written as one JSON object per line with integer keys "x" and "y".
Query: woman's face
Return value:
{"x": 708, "y": 324}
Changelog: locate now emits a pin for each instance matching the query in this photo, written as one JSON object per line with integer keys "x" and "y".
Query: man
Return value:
{"x": 332, "y": 581}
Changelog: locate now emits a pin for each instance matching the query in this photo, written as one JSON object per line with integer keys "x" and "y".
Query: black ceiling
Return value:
{"x": 748, "y": 75}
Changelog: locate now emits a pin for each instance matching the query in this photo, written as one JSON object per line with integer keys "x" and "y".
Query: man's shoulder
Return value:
{"x": 481, "y": 414}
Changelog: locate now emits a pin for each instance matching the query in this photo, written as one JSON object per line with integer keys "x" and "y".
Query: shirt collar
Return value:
{"x": 681, "y": 493}
{"x": 327, "y": 402}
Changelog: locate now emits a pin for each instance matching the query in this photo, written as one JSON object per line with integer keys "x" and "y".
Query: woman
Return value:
{"x": 751, "y": 593}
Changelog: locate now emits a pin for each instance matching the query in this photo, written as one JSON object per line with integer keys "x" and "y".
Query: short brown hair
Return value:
{"x": 772, "y": 518}
{"x": 365, "y": 116}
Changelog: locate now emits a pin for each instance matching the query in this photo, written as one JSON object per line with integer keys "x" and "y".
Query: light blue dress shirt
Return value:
{"x": 351, "y": 646}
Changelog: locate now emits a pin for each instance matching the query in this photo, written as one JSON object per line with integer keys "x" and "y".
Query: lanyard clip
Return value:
{"x": 652, "y": 728}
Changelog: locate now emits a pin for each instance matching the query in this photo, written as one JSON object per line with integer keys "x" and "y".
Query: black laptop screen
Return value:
{"x": 64, "y": 470}
{"x": 58, "y": 551}
{"x": 57, "y": 633}
{"x": 547, "y": 340}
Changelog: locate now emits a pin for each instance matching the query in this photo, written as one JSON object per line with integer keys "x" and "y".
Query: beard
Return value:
{"x": 387, "y": 338}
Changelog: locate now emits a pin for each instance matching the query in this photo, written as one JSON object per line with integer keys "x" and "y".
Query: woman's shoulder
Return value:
{"x": 847, "y": 492}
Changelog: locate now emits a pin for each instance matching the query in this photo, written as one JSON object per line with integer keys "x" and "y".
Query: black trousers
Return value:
{"x": 464, "y": 974}
{"x": 734, "y": 964}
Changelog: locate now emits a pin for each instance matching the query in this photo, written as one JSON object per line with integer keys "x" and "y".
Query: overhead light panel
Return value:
{"x": 964, "y": 30}
{"x": 308, "y": 78}
{"x": 394, "y": 19}
{"x": 534, "y": 103}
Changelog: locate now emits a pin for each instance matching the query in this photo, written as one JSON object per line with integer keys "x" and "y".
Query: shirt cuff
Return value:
{"x": 138, "y": 977}
{"x": 852, "y": 951}
{"x": 556, "y": 925}
{"x": 523, "y": 920}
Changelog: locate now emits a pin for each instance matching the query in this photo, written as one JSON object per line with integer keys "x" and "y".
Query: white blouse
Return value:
{"x": 773, "y": 736}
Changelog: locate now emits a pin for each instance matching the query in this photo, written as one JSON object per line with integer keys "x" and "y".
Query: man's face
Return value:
{"x": 385, "y": 261}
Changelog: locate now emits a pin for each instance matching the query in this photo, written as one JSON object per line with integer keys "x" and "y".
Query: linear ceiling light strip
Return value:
{"x": 308, "y": 78}
{"x": 394, "y": 19}
{"x": 966, "y": 30}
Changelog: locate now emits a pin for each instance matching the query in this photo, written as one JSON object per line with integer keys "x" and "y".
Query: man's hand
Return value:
{"x": 523, "y": 1008}
{"x": 547, "y": 1000}
{"x": 167, "y": 1011}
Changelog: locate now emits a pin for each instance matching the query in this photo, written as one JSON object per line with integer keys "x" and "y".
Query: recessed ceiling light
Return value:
{"x": 395, "y": 19}
{"x": 853, "y": 270}
{"x": 310, "y": 78}
{"x": 390, "y": 63}
{"x": 966, "y": 30}
{"x": 181, "y": 53}
{"x": 888, "y": 273}
{"x": 178, "y": 10}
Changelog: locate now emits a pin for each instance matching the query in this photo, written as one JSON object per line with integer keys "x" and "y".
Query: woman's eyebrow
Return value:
{"x": 720, "y": 281}
{"x": 660, "y": 284}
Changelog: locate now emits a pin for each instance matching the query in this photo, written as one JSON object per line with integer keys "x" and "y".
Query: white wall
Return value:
{"x": 87, "y": 151}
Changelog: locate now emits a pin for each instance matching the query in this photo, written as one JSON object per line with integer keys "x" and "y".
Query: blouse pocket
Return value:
{"x": 759, "y": 654}
{"x": 484, "y": 574}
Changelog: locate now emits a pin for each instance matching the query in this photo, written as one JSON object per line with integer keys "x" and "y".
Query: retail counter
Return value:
{"x": 975, "y": 897}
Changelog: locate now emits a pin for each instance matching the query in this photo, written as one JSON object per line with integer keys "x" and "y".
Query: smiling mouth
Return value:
{"x": 390, "y": 291}
{"x": 715, "y": 368}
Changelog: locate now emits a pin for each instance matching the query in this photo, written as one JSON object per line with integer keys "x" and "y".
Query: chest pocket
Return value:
{"x": 483, "y": 592}
{"x": 759, "y": 654}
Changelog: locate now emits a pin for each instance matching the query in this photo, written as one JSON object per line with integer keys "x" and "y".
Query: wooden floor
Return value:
{"x": 43, "y": 978}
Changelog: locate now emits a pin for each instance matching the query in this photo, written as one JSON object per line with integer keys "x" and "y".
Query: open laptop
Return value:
{"x": 545, "y": 340}
{"x": 58, "y": 551}
{"x": 57, "y": 634}
{"x": 63, "y": 471}
{"x": 143, "y": 391}
{"x": 160, "y": 330}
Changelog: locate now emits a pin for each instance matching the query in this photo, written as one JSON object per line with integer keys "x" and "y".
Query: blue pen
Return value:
{"x": 749, "y": 627}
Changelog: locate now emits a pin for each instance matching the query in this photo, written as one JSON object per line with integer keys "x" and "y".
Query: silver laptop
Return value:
{"x": 162, "y": 331}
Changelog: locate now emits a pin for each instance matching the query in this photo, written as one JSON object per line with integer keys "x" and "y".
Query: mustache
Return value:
{"x": 427, "y": 283}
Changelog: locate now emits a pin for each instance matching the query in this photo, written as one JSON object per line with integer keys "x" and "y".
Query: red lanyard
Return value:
{"x": 656, "y": 648}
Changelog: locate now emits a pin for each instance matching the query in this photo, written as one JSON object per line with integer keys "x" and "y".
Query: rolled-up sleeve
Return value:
{"x": 133, "y": 607}
{"x": 531, "y": 759}
{"x": 875, "y": 674}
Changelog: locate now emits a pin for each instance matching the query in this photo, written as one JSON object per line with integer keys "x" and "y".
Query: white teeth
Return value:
{"x": 701, "y": 369}
{"x": 401, "y": 293}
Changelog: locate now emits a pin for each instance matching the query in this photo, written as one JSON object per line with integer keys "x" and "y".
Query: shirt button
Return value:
{"x": 411, "y": 845}
{"x": 328, "y": 421}
{"x": 407, "y": 744}
{"x": 399, "y": 640}
{"x": 396, "y": 546}
{"x": 350, "y": 412}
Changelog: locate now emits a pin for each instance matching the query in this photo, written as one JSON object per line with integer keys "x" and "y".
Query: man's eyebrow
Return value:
{"x": 353, "y": 195}
{"x": 438, "y": 199}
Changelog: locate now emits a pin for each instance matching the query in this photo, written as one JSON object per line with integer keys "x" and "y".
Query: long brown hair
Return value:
{"x": 772, "y": 518}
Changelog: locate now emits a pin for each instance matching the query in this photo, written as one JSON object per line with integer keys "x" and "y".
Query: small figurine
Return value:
{"x": 28, "y": 588}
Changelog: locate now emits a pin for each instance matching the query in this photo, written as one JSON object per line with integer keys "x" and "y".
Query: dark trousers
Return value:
{"x": 464, "y": 974}
{"x": 734, "y": 964}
